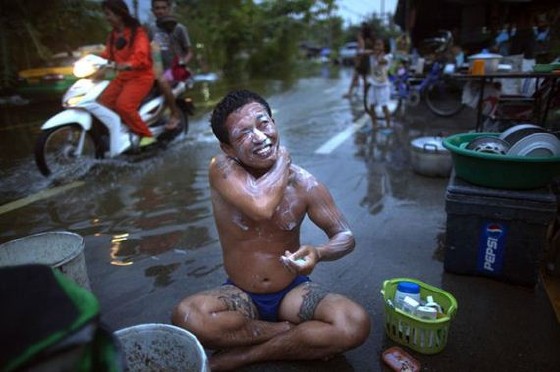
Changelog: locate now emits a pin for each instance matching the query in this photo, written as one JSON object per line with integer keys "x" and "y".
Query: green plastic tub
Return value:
{"x": 499, "y": 171}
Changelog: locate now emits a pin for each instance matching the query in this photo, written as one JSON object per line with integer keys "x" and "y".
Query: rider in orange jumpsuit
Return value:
{"x": 128, "y": 45}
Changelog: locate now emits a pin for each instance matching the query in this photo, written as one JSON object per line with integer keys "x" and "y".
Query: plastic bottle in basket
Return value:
{"x": 405, "y": 289}
{"x": 431, "y": 303}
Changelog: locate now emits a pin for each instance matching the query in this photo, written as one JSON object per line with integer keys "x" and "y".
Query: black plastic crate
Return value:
{"x": 495, "y": 232}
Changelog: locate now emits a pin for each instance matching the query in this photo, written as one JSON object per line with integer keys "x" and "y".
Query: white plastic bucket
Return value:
{"x": 161, "y": 347}
{"x": 61, "y": 250}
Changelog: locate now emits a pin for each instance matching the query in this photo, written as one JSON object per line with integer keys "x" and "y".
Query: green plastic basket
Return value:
{"x": 421, "y": 335}
{"x": 543, "y": 67}
{"x": 499, "y": 171}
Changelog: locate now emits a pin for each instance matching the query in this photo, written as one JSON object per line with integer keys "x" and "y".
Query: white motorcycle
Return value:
{"x": 87, "y": 130}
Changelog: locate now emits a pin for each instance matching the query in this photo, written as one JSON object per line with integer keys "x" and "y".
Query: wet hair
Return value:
{"x": 120, "y": 8}
{"x": 167, "y": 1}
{"x": 233, "y": 101}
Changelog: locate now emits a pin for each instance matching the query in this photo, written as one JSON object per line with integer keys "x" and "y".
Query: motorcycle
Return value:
{"x": 87, "y": 130}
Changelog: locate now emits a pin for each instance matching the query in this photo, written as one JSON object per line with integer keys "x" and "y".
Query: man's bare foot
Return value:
{"x": 228, "y": 360}
{"x": 172, "y": 123}
{"x": 232, "y": 359}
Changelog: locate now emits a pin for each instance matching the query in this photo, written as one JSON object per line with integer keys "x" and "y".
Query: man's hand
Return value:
{"x": 302, "y": 261}
{"x": 257, "y": 198}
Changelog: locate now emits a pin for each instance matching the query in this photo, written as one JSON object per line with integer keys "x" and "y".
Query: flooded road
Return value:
{"x": 152, "y": 213}
{"x": 158, "y": 203}
{"x": 150, "y": 218}
{"x": 150, "y": 237}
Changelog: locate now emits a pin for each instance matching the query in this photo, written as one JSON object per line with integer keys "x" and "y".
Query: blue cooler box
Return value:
{"x": 495, "y": 232}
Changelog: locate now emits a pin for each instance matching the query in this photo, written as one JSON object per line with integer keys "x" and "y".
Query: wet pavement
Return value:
{"x": 150, "y": 236}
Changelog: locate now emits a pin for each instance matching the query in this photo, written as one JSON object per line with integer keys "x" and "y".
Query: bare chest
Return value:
{"x": 287, "y": 216}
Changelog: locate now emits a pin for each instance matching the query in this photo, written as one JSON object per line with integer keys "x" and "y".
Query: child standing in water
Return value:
{"x": 381, "y": 90}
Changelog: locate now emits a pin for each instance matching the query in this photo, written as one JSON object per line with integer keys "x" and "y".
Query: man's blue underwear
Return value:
{"x": 268, "y": 303}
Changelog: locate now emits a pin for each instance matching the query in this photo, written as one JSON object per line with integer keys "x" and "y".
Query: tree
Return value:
{"x": 31, "y": 31}
{"x": 238, "y": 36}
{"x": 262, "y": 38}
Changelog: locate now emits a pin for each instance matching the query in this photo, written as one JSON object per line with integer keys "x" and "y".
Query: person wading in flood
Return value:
{"x": 268, "y": 309}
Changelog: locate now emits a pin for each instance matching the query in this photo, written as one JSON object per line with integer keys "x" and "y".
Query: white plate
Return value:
{"x": 517, "y": 128}
{"x": 536, "y": 145}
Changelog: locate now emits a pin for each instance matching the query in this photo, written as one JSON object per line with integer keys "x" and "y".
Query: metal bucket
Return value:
{"x": 61, "y": 250}
{"x": 161, "y": 347}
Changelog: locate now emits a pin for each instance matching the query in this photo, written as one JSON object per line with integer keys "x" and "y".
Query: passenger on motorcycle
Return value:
{"x": 129, "y": 47}
{"x": 175, "y": 48}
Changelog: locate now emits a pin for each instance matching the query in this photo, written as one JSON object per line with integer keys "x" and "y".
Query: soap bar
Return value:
{"x": 399, "y": 360}
{"x": 285, "y": 260}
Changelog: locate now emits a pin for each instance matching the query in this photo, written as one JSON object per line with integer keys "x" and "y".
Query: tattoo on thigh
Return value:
{"x": 235, "y": 300}
{"x": 311, "y": 298}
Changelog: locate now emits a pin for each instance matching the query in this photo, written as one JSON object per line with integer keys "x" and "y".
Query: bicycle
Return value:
{"x": 442, "y": 95}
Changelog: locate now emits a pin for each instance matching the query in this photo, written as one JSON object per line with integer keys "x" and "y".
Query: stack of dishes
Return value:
{"x": 530, "y": 140}
{"x": 489, "y": 145}
{"x": 520, "y": 140}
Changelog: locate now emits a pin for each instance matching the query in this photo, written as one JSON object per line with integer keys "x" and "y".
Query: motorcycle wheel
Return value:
{"x": 55, "y": 149}
{"x": 186, "y": 109}
{"x": 167, "y": 136}
{"x": 184, "y": 122}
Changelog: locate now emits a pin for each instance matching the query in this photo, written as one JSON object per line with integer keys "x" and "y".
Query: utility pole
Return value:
{"x": 135, "y": 8}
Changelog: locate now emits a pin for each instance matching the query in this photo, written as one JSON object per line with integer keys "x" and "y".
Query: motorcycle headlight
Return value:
{"x": 73, "y": 101}
{"x": 83, "y": 68}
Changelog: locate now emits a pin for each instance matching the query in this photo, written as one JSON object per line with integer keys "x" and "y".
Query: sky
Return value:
{"x": 351, "y": 11}
{"x": 354, "y": 11}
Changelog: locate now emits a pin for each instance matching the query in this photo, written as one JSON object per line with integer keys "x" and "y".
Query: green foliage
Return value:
{"x": 242, "y": 37}
{"x": 238, "y": 37}
{"x": 33, "y": 30}
{"x": 380, "y": 30}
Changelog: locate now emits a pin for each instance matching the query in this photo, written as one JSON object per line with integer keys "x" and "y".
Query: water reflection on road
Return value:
{"x": 385, "y": 159}
{"x": 390, "y": 182}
